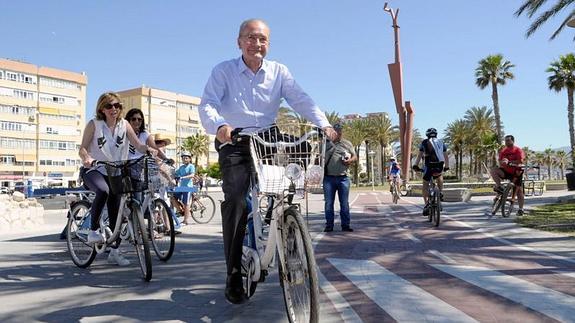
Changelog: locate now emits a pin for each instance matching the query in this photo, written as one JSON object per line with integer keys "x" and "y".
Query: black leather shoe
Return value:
{"x": 234, "y": 290}
{"x": 328, "y": 229}
{"x": 346, "y": 228}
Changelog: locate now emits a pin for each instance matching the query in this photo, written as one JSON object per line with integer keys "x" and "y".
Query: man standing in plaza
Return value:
{"x": 339, "y": 156}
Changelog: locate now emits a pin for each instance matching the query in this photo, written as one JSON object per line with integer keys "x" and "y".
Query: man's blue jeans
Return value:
{"x": 331, "y": 185}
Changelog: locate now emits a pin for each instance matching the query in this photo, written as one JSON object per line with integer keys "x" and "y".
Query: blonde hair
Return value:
{"x": 104, "y": 100}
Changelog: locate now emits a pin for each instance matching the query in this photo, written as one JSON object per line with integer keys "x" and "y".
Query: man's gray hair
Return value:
{"x": 249, "y": 21}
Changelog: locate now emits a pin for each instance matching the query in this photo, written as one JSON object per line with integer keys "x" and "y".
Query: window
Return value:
{"x": 21, "y": 94}
{"x": 11, "y": 76}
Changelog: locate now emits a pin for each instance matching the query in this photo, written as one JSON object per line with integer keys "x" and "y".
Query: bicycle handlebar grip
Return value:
{"x": 236, "y": 135}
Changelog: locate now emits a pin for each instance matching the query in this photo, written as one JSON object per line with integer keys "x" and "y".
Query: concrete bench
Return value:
{"x": 456, "y": 194}
{"x": 535, "y": 188}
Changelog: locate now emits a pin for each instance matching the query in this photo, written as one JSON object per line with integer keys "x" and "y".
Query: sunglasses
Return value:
{"x": 116, "y": 105}
{"x": 136, "y": 119}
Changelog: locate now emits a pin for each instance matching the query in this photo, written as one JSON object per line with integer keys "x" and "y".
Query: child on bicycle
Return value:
{"x": 510, "y": 161}
{"x": 394, "y": 173}
{"x": 185, "y": 173}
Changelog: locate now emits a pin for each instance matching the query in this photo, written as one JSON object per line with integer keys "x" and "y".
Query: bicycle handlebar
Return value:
{"x": 238, "y": 135}
{"x": 115, "y": 164}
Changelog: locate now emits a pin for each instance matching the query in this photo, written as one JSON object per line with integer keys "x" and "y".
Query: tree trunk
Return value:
{"x": 457, "y": 164}
{"x": 571, "y": 124}
{"x": 368, "y": 170}
{"x": 383, "y": 160}
{"x": 356, "y": 175}
{"x": 495, "y": 98}
{"x": 471, "y": 163}
{"x": 461, "y": 165}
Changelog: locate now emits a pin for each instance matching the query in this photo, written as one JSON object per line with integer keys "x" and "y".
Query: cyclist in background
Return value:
{"x": 394, "y": 174}
{"x": 435, "y": 160}
{"x": 185, "y": 173}
{"x": 510, "y": 161}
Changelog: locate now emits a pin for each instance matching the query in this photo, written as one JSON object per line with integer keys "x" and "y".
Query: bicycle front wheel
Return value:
{"x": 140, "y": 241}
{"x": 161, "y": 228}
{"x": 506, "y": 193}
{"x": 403, "y": 190}
{"x": 298, "y": 275}
{"x": 497, "y": 202}
{"x": 77, "y": 230}
{"x": 203, "y": 208}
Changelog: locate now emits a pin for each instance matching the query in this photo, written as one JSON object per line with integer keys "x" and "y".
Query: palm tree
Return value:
{"x": 539, "y": 158}
{"x": 561, "y": 160}
{"x": 198, "y": 145}
{"x": 481, "y": 123}
{"x": 563, "y": 77}
{"x": 333, "y": 117}
{"x": 528, "y": 154}
{"x": 457, "y": 133}
{"x": 532, "y": 6}
{"x": 548, "y": 160}
{"x": 381, "y": 132}
{"x": 356, "y": 131}
{"x": 495, "y": 71}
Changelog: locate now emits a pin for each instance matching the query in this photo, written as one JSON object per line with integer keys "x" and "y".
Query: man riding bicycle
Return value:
{"x": 436, "y": 160}
{"x": 510, "y": 161}
{"x": 394, "y": 173}
{"x": 247, "y": 92}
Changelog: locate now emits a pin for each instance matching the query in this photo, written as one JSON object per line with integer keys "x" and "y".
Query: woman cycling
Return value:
{"x": 106, "y": 138}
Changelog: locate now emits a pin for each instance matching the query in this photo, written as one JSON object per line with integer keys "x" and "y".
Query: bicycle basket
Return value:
{"x": 154, "y": 178}
{"x": 288, "y": 153}
{"x": 128, "y": 176}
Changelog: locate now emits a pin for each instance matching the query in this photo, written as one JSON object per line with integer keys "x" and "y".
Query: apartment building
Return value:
{"x": 173, "y": 115}
{"x": 42, "y": 115}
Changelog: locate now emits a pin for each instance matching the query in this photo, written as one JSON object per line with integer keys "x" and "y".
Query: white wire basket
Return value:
{"x": 288, "y": 153}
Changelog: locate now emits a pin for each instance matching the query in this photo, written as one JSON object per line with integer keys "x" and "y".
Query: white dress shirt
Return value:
{"x": 240, "y": 98}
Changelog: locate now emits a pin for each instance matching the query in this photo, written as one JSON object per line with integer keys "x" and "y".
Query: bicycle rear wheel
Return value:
{"x": 394, "y": 194}
{"x": 298, "y": 275}
{"x": 161, "y": 228}
{"x": 140, "y": 241}
{"x": 203, "y": 208}
{"x": 77, "y": 230}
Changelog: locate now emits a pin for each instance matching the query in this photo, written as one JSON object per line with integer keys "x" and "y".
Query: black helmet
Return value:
{"x": 431, "y": 132}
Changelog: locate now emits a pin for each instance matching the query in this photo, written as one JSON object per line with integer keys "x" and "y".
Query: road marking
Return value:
{"x": 442, "y": 256}
{"x": 341, "y": 305}
{"x": 566, "y": 273}
{"x": 317, "y": 239}
{"x": 507, "y": 242}
{"x": 398, "y": 297}
{"x": 504, "y": 241}
{"x": 547, "y": 301}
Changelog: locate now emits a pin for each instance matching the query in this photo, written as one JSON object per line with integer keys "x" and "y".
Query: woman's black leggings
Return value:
{"x": 98, "y": 183}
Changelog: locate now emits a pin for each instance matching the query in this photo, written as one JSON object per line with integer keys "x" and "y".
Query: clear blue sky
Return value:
{"x": 337, "y": 50}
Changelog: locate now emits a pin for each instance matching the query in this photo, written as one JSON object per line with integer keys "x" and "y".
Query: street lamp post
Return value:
{"x": 372, "y": 155}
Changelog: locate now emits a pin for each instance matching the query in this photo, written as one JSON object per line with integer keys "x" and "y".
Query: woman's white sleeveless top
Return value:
{"x": 108, "y": 146}
{"x": 133, "y": 153}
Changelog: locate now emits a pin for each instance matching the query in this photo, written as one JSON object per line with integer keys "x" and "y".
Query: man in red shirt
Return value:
{"x": 510, "y": 161}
